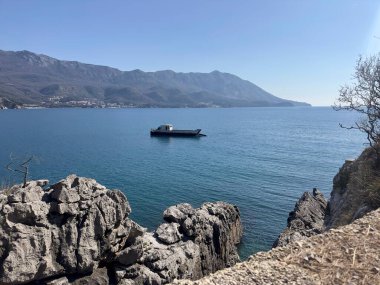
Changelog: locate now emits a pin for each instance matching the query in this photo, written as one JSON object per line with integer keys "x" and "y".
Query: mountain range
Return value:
{"x": 34, "y": 80}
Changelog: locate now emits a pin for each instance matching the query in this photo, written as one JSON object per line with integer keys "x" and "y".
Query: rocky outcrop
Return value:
{"x": 346, "y": 255}
{"x": 356, "y": 190}
{"x": 78, "y": 232}
{"x": 324, "y": 243}
{"x": 69, "y": 228}
{"x": 307, "y": 218}
{"x": 190, "y": 244}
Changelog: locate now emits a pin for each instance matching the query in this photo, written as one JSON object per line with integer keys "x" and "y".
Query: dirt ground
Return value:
{"x": 346, "y": 255}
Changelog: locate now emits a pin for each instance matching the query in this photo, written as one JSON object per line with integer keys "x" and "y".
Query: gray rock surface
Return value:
{"x": 307, "y": 218}
{"x": 78, "y": 232}
{"x": 355, "y": 190}
{"x": 67, "y": 229}
{"x": 169, "y": 233}
{"x": 192, "y": 244}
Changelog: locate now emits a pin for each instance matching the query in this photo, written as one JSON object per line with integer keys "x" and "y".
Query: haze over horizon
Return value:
{"x": 297, "y": 50}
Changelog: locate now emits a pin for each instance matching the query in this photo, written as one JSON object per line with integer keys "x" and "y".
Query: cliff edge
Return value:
{"x": 346, "y": 255}
{"x": 78, "y": 232}
{"x": 356, "y": 190}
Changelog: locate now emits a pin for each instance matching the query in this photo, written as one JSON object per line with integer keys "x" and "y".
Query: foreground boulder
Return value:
{"x": 69, "y": 228}
{"x": 307, "y": 218}
{"x": 78, "y": 232}
{"x": 191, "y": 244}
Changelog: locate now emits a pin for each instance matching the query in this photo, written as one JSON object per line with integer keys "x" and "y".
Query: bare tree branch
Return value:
{"x": 22, "y": 168}
{"x": 363, "y": 97}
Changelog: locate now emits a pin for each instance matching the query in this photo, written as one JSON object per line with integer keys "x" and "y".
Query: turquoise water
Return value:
{"x": 261, "y": 159}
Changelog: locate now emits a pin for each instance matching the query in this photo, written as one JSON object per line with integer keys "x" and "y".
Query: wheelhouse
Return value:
{"x": 166, "y": 127}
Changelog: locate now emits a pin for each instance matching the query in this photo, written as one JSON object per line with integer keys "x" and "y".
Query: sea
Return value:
{"x": 260, "y": 159}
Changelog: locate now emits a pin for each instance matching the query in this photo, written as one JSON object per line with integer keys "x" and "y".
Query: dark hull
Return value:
{"x": 176, "y": 133}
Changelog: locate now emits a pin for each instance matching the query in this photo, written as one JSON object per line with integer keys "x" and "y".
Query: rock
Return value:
{"x": 58, "y": 281}
{"x": 307, "y": 218}
{"x": 168, "y": 233}
{"x": 202, "y": 241}
{"x": 355, "y": 190}
{"x": 178, "y": 213}
{"x": 132, "y": 253}
{"x": 135, "y": 231}
{"x": 137, "y": 274}
{"x": 32, "y": 192}
{"x": 34, "y": 183}
{"x": 216, "y": 228}
{"x": 98, "y": 277}
{"x": 78, "y": 232}
{"x": 69, "y": 228}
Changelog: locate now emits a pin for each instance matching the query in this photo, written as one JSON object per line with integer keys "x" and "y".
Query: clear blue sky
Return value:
{"x": 296, "y": 49}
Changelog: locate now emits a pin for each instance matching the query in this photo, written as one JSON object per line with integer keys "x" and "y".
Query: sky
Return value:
{"x": 301, "y": 50}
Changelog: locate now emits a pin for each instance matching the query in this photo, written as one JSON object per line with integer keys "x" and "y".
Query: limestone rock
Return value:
{"x": 132, "y": 253}
{"x": 178, "y": 213}
{"x": 200, "y": 242}
{"x": 355, "y": 190}
{"x": 307, "y": 218}
{"x": 78, "y": 232}
{"x": 68, "y": 228}
{"x": 168, "y": 233}
{"x": 98, "y": 277}
{"x": 58, "y": 281}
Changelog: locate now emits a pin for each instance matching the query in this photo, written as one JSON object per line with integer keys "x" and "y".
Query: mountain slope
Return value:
{"x": 29, "y": 78}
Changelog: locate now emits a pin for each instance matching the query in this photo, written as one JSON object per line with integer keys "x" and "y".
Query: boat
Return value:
{"x": 167, "y": 130}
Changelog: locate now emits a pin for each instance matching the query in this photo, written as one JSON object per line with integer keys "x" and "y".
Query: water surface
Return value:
{"x": 261, "y": 159}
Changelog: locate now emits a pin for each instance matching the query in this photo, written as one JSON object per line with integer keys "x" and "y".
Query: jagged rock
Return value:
{"x": 58, "y": 281}
{"x": 132, "y": 253}
{"x": 34, "y": 183}
{"x": 98, "y": 277}
{"x": 68, "y": 228}
{"x": 62, "y": 234}
{"x": 137, "y": 274}
{"x": 355, "y": 190}
{"x": 168, "y": 233}
{"x": 307, "y": 218}
{"x": 178, "y": 213}
{"x": 202, "y": 241}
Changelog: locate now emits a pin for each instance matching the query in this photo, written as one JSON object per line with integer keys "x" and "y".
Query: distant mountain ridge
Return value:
{"x": 29, "y": 79}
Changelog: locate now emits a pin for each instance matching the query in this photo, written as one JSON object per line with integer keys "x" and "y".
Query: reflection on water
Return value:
{"x": 166, "y": 140}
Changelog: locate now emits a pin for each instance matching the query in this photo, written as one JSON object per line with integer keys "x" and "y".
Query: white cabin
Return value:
{"x": 166, "y": 127}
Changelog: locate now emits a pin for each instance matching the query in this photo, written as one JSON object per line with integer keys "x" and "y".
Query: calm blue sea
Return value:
{"x": 261, "y": 159}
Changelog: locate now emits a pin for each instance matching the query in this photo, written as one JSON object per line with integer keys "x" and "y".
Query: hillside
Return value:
{"x": 29, "y": 79}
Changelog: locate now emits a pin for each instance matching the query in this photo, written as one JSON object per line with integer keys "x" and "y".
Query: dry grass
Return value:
{"x": 341, "y": 256}
{"x": 347, "y": 255}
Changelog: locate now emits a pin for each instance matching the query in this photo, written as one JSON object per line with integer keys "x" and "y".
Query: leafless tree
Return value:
{"x": 363, "y": 96}
{"x": 22, "y": 167}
